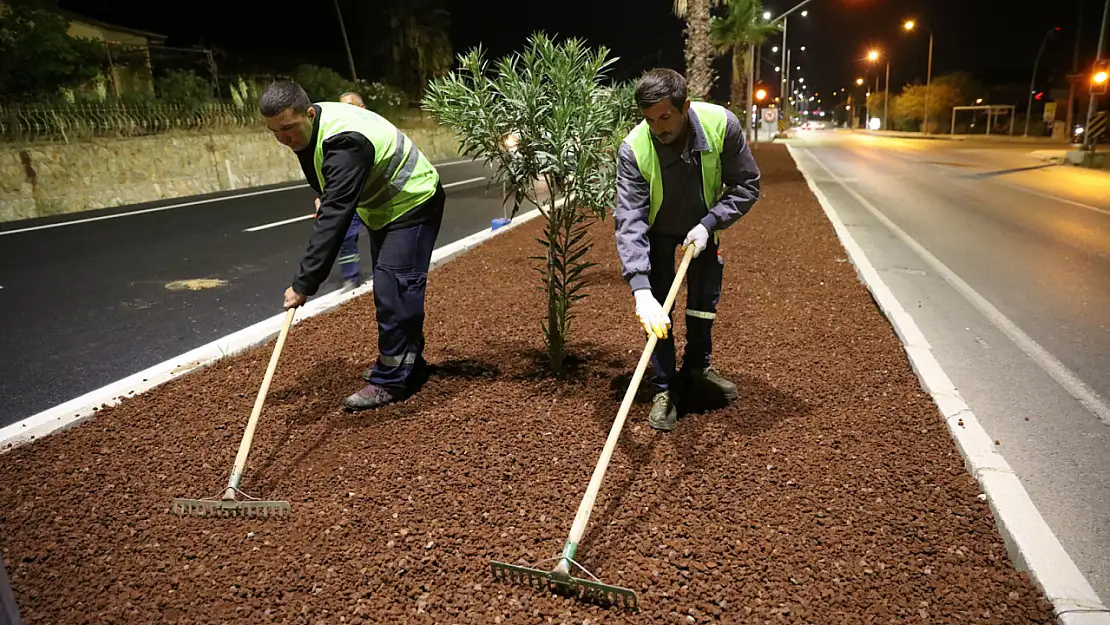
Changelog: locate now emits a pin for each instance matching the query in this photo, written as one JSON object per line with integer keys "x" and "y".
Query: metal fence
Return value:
{"x": 33, "y": 123}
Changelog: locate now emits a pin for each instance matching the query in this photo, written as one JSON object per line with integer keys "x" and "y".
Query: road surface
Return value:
{"x": 90, "y": 298}
{"x": 1004, "y": 263}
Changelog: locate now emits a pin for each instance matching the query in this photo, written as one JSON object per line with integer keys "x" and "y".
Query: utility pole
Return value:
{"x": 1087, "y": 143}
{"x": 343, "y": 29}
{"x": 886, "y": 96}
{"x": 1033, "y": 81}
{"x": 928, "y": 79}
{"x": 1070, "y": 118}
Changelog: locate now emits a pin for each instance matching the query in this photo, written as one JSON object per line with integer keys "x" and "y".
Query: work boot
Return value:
{"x": 371, "y": 396}
{"x": 710, "y": 376}
{"x": 664, "y": 414}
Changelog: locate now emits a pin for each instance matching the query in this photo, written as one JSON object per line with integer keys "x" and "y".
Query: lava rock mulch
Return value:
{"x": 829, "y": 492}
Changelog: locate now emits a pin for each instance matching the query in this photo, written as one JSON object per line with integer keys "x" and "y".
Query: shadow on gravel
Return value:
{"x": 324, "y": 410}
{"x": 702, "y": 427}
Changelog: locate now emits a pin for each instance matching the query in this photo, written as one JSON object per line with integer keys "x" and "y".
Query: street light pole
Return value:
{"x": 343, "y": 29}
{"x": 1033, "y": 81}
{"x": 928, "y": 79}
{"x": 886, "y": 96}
{"x": 1087, "y": 143}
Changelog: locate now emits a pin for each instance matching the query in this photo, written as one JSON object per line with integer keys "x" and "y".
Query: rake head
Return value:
{"x": 564, "y": 585}
{"x": 231, "y": 508}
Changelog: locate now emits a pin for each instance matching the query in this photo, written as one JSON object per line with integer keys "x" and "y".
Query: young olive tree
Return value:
{"x": 550, "y": 128}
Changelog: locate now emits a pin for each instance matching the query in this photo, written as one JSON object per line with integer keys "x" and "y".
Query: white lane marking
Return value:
{"x": 150, "y": 210}
{"x": 462, "y": 182}
{"x": 1053, "y": 197}
{"x": 280, "y": 223}
{"x": 1046, "y": 361}
{"x": 304, "y": 217}
{"x": 194, "y": 203}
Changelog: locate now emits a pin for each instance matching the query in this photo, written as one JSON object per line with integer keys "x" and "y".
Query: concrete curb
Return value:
{"x": 79, "y": 409}
{"x": 1029, "y": 541}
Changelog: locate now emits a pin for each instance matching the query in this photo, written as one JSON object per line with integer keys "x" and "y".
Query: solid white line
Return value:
{"x": 151, "y": 210}
{"x": 1029, "y": 540}
{"x": 80, "y": 408}
{"x": 304, "y": 217}
{"x": 458, "y": 162}
{"x": 1046, "y": 361}
{"x": 1053, "y": 197}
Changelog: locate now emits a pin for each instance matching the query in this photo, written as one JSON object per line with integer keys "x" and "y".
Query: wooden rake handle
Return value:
{"x": 582, "y": 518}
{"x": 248, "y": 435}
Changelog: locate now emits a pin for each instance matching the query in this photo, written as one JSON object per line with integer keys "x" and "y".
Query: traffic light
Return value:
{"x": 1040, "y": 94}
{"x": 1100, "y": 77}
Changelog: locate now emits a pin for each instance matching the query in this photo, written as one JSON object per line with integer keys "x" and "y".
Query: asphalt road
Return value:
{"x": 1004, "y": 263}
{"x": 90, "y": 298}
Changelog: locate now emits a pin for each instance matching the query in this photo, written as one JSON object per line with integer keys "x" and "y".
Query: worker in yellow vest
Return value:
{"x": 365, "y": 168}
{"x": 684, "y": 174}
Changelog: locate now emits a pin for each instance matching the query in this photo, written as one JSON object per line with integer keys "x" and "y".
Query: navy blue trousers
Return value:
{"x": 703, "y": 293}
{"x": 402, "y": 255}
{"x": 348, "y": 258}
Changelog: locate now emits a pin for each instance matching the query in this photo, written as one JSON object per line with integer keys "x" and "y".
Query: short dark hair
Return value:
{"x": 281, "y": 95}
{"x": 660, "y": 84}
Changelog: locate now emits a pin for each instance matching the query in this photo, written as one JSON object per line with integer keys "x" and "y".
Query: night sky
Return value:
{"x": 994, "y": 39}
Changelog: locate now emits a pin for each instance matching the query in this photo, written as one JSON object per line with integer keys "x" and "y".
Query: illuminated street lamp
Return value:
{"x": 759, "y": 95}
{"x": 778, "y": 68}
{"x": 909, "y": 26}
{"x": 766, "y": 15}
{"x": 805, "y": 13}
{"x": 775, "y": 49}
{"x": 859, "y": 82}
{"x": 874, "y": 56}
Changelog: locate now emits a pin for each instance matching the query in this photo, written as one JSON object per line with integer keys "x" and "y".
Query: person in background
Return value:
{"x": 349, "y": 258}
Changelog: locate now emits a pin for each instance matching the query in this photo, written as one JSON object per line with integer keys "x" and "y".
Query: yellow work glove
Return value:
{"x": 651, "y": 314}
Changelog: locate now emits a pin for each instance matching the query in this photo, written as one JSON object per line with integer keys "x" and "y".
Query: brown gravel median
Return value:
{"x": 830, "y": 492}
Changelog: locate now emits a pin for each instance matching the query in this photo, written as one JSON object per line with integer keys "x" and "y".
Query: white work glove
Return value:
{"x": 651, "y": 314}
{"x": 699, "y": 236}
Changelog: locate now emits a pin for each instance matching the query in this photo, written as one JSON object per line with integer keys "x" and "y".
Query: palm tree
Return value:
{"x": 418, "y": 44}
{"x": 739, "y": 31}
{"x": 699, "y": 46}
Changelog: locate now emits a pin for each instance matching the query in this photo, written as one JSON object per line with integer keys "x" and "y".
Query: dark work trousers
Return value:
{"x": 703, "y": 286}
{"x": 401, "y": 255}
{"x": 348, "y": 252}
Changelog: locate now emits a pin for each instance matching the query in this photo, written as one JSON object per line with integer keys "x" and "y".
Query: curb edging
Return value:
{"x": 79, "y": 409}
{"x": 1029, "y": 540}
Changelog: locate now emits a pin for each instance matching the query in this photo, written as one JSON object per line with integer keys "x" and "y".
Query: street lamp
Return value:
{"x": 1033, "y": 80}
{"x": 910, "y": 25}
{"x": 775, "y": 49}
{"x": 859, "y": 82}
{"x": 874, "y": 56}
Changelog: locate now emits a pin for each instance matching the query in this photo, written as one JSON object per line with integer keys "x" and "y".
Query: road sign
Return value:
{"x": 1098, "y": 126}
{"x": 770, "y": 115}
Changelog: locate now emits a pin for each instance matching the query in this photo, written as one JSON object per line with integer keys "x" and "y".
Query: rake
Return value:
{"x": 559, "y": 580}
{"x": 228, "y": 504}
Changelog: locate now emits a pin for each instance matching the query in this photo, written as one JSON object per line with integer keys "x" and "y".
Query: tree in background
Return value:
{"x": 551, "y": 127}
{"x": 741, "y": 28}
{"x": 37, "y": 55}
{"x": 699, "y": 45}
{"x": 416, "y": 36}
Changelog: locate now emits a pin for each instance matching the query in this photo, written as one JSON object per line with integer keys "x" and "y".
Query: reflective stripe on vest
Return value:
{"x": 401, "y": 178}
{"x": 712, "y": 119}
